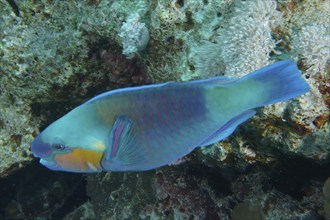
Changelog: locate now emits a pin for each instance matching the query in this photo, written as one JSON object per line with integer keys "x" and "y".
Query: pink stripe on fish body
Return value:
{"x": 115, "y": 143}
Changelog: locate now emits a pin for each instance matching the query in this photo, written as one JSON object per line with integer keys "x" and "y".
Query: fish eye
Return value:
{"x": 58, "y": 146}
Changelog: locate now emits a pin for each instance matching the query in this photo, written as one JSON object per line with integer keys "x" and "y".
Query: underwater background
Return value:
{"x": 55, "y": 55}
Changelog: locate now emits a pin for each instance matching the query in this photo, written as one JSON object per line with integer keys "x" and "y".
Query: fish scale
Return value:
{"x": 176, "y": 115}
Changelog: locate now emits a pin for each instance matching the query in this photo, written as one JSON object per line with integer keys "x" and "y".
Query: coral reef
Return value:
{"x": 36, "y": 193}
{"x": 135, "y": 36}
{"x": 85, "y": 211}
{"x": 248, "y": 211}
{"x": 172, "y": 193}
{"x": 250, "y": 27}
{"x": 300, "y": 126}
{"x": 194, "y": 191}
{"x": 43, "y": 56}
{"x": 55, "y": 55}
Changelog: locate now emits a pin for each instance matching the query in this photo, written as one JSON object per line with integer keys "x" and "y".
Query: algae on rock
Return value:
{"x": 43, "y": 51}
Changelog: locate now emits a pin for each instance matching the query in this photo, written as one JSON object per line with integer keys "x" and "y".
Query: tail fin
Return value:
{"x": 274, "y": 83}
{"x": 279, "y": 82}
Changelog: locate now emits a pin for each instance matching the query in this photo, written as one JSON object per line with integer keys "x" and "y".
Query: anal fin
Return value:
{"x": 228, "y": 128}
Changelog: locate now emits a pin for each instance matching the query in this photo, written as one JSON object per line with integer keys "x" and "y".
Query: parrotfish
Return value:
{"x": 146, "y": 127}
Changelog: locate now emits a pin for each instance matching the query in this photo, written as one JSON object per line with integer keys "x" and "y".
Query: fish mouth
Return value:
{"x": 49, "y": 164}
{"x": 39, "y": 148}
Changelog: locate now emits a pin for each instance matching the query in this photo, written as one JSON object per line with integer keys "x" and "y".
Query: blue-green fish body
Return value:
{"x": 142, "y": 128}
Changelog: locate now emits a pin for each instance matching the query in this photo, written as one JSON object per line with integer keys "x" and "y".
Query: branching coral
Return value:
{"x": 311, "y": 111}
{"x": 313, "y": 47}
{"x": 208, "y": 61}
{"x": 245, "y": 43}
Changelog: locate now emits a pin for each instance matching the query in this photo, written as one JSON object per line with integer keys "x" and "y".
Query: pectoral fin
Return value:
{"x": 122, "y": 152}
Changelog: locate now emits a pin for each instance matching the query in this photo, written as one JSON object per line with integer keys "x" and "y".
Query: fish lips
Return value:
{"x": 50, "y": 164}
{"x": 40, "y": 149}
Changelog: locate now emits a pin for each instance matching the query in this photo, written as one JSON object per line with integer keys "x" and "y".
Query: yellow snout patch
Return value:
{"x": 80, "y": 160}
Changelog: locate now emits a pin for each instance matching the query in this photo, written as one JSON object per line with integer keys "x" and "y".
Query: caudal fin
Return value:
{"x": 278, "y": 82}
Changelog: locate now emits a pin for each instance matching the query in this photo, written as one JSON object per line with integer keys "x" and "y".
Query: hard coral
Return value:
{"x": 134, "y": 36}
{"x": 312, "y": 47}
{"x": 245, "y": 43}
{"x": 184, "y": 198}
{"x": 312, "y": 43}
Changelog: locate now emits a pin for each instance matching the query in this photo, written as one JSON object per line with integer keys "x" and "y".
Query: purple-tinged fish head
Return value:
{"x": 40, "y": 149}
{"x": 57, "y": 156}
{"x": 47, "y": 151}
{"x": 63, "y": 146}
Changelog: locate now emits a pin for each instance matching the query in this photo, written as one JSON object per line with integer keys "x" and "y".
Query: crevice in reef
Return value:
{"x": 34, "y": 191}
{"x": 292, "y": 173}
